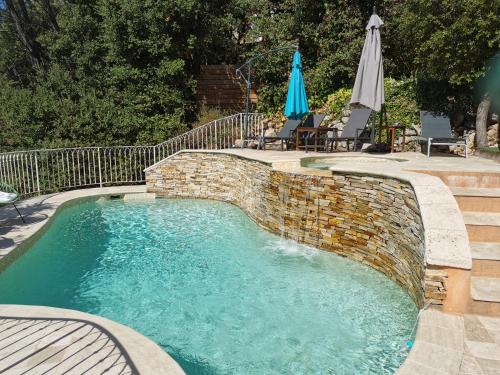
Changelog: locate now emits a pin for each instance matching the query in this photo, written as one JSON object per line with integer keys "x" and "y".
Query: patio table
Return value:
{"x": 316, "y": 133}
{"x": 391, "y": 129}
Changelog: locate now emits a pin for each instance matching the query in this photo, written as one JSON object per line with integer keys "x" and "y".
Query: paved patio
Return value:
{"x": 45, "y": 346}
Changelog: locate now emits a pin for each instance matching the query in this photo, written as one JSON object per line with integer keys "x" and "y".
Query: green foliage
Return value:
{"x": 124, "y": 72}
{"x": 337, "y": 102}
{"x": 401, "y": 104}
{"x": 116, "y": 72}
{"x": 400, "y": 98}
{"x": 208, "y": 114}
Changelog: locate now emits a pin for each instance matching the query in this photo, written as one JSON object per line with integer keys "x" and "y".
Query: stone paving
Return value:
{"x": 481, "y": 346}
{"x": 45, "y": 346}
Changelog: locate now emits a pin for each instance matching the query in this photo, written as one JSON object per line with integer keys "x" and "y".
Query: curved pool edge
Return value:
{"x": 142, "y": 355}
{"x": 39, "y": 213}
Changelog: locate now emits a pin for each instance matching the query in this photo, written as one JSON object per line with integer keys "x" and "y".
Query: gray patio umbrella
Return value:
{"x": 368, "y": 88}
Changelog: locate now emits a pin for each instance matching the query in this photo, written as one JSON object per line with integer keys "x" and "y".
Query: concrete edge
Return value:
{"x": 146, "y": 355}
{"x": 438, "y": 347}
{"x": 158, "y": 163}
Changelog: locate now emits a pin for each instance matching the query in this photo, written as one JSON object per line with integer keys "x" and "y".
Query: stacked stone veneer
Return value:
{"x": 374, "y": 220}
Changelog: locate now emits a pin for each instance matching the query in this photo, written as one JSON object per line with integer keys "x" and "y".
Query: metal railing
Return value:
{"x": 44, "y": 171}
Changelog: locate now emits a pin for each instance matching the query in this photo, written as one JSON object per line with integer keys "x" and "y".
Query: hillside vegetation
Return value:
{"x": 104, "y": 72}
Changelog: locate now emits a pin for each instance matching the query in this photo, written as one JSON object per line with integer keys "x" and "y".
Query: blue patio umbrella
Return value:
{"x": 296, "y": 101}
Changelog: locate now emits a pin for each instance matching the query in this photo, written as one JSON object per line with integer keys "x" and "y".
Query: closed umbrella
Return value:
{"x": 369, "y": 85}
{"x": 296, "y": 101}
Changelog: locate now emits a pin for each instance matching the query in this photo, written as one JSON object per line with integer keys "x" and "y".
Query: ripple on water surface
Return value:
{"x": 218, "y": 293}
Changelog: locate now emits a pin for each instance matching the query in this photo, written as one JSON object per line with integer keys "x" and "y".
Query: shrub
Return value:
{"x": 400, "y": 101}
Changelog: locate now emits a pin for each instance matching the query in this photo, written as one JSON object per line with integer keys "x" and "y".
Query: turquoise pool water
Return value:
{"x": 218, "y": 293}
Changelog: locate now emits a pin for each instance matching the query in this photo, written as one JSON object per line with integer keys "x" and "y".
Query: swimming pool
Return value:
{"x": 327, "y": 162}
{"x": 218, "y": 293}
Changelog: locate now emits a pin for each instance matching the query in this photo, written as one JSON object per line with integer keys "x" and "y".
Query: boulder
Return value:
{"x": 270, "y": 132}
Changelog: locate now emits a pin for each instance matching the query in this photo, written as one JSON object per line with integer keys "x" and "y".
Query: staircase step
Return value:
{"x": 477, "y": 199}
{"x": 482, "y": 226}
{"x": 483, "y": 308}
{"x": 486, "y": 289}
{"x": 475, "y": 192}
{"x": 467, "y": 179}
{"x": 485, "y": 250}
{"x": 485, "y": 268}
{"x": 482, "y": 218}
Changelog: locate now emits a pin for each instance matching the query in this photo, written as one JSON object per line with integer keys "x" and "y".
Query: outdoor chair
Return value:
{"x": 9, "y": 195}
{"x": 436, "y": 131}
{"x": 353, "y": 129}
{"x": 285, "y": 135}
{"x": 313, "y": 121}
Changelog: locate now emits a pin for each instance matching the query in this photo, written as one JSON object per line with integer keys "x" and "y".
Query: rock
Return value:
{"x": 417, "y": 128}
{"x": 365, "y": 147}
{"x": 345, "y": 119}
{"x": 346, "y": 113}
{"x": 238, "y": 143}
{"x": 493, "y": 135}
{"x": 269, "y": 132}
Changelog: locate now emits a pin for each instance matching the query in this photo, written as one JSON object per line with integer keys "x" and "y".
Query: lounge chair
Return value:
{"x": 352, "y": 130}
{"x": 313, "y": 121}
{"x": 9, "y": 195}
{"x": 285, "y": 135}
{"x": 436, "y": 131}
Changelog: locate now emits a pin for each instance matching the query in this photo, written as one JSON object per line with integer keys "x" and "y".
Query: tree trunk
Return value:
{"x": 24, "y": 27}
{"x": 483, "y": 110}
{"x": 51, "y": 15}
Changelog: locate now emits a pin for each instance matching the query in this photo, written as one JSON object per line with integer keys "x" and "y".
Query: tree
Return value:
{"x": 447, "y": 42}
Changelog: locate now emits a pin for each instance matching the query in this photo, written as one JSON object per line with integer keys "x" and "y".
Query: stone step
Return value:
{"x": 477, "y": 199}
{"x": 485, "y": 268}
{"x": 467, "y": 179}
{"x": 482, "y": 218}
{"x": 485, "y": 250}
{"x": 485, "y": 259}
{"x": 483, "y": 308}
{"x": 482, "y": 226}
{"x": 486, "y": 289}
{"x": 475, "y": 192}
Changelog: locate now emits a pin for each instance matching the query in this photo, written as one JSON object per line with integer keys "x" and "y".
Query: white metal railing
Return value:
{"x": 43, "y": 171}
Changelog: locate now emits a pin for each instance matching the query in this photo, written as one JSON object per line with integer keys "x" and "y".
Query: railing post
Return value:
{"x": 99, "y": 165}
{"x": 216, "y": 138}
{"x": 37, "y": 175}
{"x": 154, "y": 154}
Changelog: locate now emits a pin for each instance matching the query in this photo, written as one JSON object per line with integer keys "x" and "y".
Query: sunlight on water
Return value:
{"x": 218, "y": 293}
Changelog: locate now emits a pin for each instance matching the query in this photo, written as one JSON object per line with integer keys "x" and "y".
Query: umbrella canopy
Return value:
{"x": 296, "y": 101}
{"x": 369, "y": 85}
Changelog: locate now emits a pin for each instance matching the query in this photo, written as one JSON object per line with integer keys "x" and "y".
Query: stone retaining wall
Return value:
{"x": 374, "y": 220}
